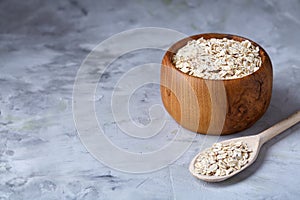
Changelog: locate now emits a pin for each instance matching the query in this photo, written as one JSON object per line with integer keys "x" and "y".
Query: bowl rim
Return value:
{"x": 173, "y": 50}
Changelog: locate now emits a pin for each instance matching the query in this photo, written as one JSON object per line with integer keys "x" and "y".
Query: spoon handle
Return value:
{"x": 279, "y": 127}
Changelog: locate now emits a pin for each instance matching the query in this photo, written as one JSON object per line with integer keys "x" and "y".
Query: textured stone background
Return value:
{"x": 42, "y": 44}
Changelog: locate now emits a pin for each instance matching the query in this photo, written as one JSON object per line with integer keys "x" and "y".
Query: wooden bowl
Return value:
{"x": 215, "y": 107}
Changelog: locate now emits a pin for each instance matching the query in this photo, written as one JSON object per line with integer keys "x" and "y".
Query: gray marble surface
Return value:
{"x": 42, "y": 45}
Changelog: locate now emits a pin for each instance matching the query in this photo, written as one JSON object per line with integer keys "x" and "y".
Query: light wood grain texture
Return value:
{"x": 253, "y": 142}
{"x": 223, "y": 106}
{"x": 279, "y": 128}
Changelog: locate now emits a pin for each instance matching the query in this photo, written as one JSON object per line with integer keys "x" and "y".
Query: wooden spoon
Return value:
{"x": 253, "y": 142}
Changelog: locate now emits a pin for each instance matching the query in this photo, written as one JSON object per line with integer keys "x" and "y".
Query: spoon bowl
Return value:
{"x": 253, "y": 143}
